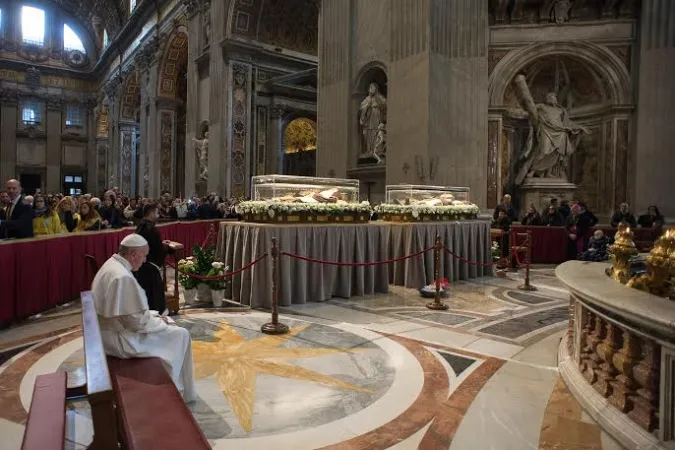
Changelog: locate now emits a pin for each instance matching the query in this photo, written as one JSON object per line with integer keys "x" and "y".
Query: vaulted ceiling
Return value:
{"x": 110, "y": 13}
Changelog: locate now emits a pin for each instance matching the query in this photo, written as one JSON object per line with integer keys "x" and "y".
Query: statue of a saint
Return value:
{"x": 553, "y": 137}
{"x": 380, "y": 143}
{"x": 202, "y": 149}
{"x": 372, "y": 113}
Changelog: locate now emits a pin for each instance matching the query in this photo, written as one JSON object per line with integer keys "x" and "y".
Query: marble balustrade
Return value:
{"x": 618, "y": 358}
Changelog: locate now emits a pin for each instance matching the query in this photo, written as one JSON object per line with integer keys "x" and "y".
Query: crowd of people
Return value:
{"x": 24, "y": 216}
{"x": 577, "y": 220}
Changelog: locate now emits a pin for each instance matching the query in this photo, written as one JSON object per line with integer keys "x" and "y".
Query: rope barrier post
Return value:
{"x": 528, "y": 255}
{"x": 437, "y": 304}
{"x": 275, "y": 327}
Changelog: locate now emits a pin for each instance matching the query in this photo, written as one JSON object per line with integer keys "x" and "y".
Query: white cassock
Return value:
{"x": 130, "y": 330}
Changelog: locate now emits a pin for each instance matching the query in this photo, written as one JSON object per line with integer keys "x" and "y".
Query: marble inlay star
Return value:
{"x": 236, "y": 363}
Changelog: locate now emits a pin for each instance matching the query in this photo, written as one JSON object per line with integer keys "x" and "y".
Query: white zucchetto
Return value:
{"x": 133, "y": 241}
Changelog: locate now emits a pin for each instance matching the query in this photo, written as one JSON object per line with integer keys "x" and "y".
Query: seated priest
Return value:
{"x": 128, "y": 328}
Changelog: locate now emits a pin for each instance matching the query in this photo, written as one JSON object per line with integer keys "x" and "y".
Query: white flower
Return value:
{"x": 217, "y": 265}
{"x": 181, "y": 262}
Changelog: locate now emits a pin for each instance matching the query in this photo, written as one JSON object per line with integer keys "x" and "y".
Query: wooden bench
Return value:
{"x": 46, "y": 425}
{"x": 133, "y": 401}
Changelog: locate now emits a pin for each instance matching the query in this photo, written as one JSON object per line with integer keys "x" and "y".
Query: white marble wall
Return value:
{"x": 654, "y": 151}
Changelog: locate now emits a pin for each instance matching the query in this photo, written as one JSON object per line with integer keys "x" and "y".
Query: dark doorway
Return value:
{"x": 30, "y": 182}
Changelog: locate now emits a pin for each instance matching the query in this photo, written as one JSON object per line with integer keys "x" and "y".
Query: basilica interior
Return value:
{"x": 456, "y": 212}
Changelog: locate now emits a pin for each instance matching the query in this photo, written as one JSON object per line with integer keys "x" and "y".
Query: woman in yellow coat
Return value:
{"x": 46, "y": 221}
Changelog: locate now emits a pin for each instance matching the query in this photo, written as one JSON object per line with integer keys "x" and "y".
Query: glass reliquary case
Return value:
{"x": 408, "y": 202}
{"x": 288, "y": 199}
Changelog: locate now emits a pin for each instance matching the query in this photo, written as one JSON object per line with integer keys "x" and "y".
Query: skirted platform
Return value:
{"x": 241, "y": 243}
{"x": 618, "y": 358}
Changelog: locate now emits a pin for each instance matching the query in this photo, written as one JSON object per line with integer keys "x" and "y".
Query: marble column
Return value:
{"x": 334, "y": 94}
{"x": 164, "y": 155}
{"x": 654, "y": 155}
{"x": 151, "y": 135}
{"x": 113, "y": 166}
{"x": 127, "y": 163}
{"x": 275, "y": 157}
{"x": 8, "y": 118}
{"x": 219, "y": 143}
{"x": 192, "y": 106}
{"x": 54, "y": 151}
{"x": 90, "y": 117}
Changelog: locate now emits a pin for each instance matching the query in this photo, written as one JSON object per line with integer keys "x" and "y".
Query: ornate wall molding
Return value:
{"x": 174, "y": 59}
{"x": 240, "y": 121}
{"x": 41, "y": 55}
{"x": 166, "y": 150}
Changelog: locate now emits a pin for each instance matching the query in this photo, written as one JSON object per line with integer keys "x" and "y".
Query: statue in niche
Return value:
{"x": 202, "y": 149}
{"x": 380, "y": 143}
{"x": 372, "y": 114}
{"x": 207, "y": 23}
{"x": 552, "y": 140}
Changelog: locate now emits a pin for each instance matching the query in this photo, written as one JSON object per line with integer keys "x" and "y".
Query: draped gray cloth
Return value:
{"x": 241, "y": 243}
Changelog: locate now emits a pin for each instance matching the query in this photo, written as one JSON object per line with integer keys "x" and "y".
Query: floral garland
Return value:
{"x": 271, "y": 208}
{"x": 445, "y": 210}
{"x": 203, "y": 263}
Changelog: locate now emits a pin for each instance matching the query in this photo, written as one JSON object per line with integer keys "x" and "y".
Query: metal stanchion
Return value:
{"x": 437, "y": 304}
{"x": 275, "y": 327}
{"x": 528, "y": 255}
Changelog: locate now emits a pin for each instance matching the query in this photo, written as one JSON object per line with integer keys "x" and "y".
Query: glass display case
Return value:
{"x": 295, "y": 199}
{"x": 410, "y": 194}
{"x": 409, "y": 203}
{"x": 295, "y": 189}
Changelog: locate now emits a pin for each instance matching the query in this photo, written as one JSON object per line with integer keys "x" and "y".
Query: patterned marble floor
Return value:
{"x": 365, "y": 373}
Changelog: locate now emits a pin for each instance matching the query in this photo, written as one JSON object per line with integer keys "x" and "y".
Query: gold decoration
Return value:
{"x": 236, "y": 363}
{"x": 620, "y": 254}
{"x": 300, "y": 136}
{"x": 659, "y": 267}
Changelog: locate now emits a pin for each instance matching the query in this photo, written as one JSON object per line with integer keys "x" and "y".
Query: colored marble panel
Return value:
{"x": 526, "y": 324}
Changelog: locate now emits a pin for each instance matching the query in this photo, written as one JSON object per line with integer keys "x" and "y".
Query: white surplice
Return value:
{"x": 130, "y": 330}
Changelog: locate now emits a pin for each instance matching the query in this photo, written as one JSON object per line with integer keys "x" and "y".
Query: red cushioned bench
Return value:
{"x": 46, "y": 425}
{"x": 133, "y": 402}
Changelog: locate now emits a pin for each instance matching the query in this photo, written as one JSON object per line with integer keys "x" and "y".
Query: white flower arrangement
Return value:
{"x": 271, "y": 209}
{"x": 417, "y": 210}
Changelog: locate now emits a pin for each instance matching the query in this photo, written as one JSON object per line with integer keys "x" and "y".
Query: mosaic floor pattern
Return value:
{"x": 365, "y": 373}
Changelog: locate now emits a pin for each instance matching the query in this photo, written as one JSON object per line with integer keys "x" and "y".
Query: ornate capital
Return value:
{"x": 147, "y": 55}
{"x": 277, "y": 113}
{"x": 9, "y": 96}
{"x": 240, "y": 72}
{"x": 54, "y": 102}
{"x": 113, "y": 86}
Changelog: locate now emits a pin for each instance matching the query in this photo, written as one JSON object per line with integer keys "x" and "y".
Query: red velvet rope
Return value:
{"x": 219, "y": 277}
{"x": 492, "y": 263}
{"x": 348, "y": 264}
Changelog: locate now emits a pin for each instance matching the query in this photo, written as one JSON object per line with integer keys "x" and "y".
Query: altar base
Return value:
{"x": 540, "y": 191}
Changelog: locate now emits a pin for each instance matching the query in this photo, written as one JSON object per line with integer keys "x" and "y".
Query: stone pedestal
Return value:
{"x": 372, "y": 182}
{"x": 540, "y": 191}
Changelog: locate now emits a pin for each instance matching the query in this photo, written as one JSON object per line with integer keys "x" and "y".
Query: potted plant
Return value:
{"x": 188, "y": 266}
{"x": 219, "y": 285}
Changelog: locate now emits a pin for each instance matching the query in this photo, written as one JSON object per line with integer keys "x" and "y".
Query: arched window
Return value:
{"x": 32, "y": 25}
{"x": 71, "y": 41}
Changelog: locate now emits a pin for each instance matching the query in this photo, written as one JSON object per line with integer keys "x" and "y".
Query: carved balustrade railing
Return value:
{"x": 619, "y": 357}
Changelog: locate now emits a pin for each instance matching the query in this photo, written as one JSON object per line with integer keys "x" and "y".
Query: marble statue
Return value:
{"x": 372, "y": 114}
{"x": 202, "y": 149}
{"x": 553, "y": 137}
{"x": 560, "y": 11}
{"x": 380, "y": 142}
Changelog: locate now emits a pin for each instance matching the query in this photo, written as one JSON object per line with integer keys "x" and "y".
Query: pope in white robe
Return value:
{"x": 128, "y": 328}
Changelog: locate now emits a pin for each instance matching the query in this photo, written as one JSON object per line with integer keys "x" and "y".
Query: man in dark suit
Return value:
{"x": 18, "y": 221}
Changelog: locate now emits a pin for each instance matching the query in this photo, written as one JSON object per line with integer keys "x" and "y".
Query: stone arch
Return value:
{"x": 174, "y": 59}
{"x": 373, "y": 71}
{"x": 131, "y": 97}
{"x": 599, "y": 58}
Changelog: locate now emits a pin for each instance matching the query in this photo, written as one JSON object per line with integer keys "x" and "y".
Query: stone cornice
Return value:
{"x": 237, "y": 50}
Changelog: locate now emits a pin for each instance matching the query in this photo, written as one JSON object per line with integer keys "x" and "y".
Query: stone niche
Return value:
{"x": 370, "y": 171}
{"x": 593, "y": 95}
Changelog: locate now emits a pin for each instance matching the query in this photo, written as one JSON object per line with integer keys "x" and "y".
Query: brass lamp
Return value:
{"x": 620, "y": 254}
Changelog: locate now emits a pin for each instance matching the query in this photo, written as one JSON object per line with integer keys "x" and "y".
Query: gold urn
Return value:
{"x": 659, "y": 267}
{"x": 620, "y": 253}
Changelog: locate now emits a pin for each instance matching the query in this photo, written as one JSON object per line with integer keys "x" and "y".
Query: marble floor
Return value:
{"x": 375, "y": 372}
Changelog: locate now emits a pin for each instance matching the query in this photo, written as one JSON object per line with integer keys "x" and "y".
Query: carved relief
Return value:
{"x": 239, "y": 120}
{"x": 126, "y": 155}
{"x": 624, "y": 54}
{"x": 291, "y": 24}
{"x": 102, "y": 123}
{"x": 166, "y": 151}
{"x": 494, "y": 56}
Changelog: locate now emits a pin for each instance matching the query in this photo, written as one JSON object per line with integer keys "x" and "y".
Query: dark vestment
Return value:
{"x": 149, "y": 275}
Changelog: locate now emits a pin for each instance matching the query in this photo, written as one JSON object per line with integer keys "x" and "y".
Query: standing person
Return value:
{"x": 46, "y": 220}
{"x": 18, "y": 222}
{"x": 128, "y": 328}
{"x": 149, "y": 275}
{"x": 508, "y": 208}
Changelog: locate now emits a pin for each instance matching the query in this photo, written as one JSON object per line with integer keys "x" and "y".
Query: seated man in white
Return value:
{"x": 128, "y": 328}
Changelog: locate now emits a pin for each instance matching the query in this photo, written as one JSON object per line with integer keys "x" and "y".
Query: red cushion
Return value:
{"x": 153, "y": 412}
{"x": 46, "y": 426}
